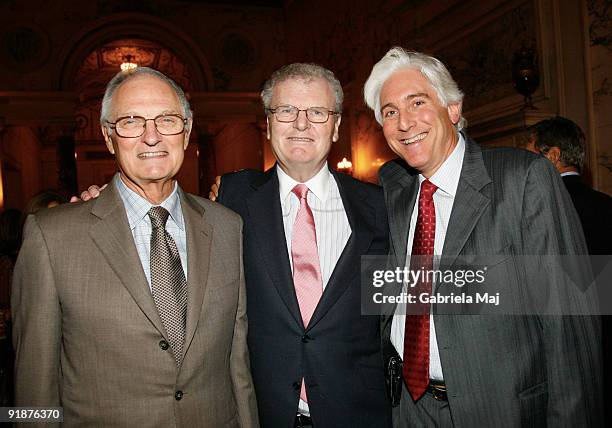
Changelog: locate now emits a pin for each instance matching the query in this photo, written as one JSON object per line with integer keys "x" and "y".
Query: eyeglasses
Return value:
{"x": 290, "y": 113}
{"x": 134, "y": 126}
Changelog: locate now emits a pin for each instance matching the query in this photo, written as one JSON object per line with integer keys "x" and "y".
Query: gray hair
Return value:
{"x": 307, "y": 72}
{"x": 123, "y": 76}
{"x": 563, "y": 133}
{"x": 432, "y": 69}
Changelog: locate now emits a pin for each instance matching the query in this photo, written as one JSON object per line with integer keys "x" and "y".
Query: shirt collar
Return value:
{"x": 565, "y": 174}
{"x": 446, "y": 178}
{"x": 318, "y": 185}
{"x": 137, "y": 207}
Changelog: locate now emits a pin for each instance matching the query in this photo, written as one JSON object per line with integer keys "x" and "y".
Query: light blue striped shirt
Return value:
{"x": 137, "y": 207}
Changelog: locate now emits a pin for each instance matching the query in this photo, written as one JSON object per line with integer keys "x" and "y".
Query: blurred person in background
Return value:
{"x": 562, "y": 142}
{"x": 46, "y": 199}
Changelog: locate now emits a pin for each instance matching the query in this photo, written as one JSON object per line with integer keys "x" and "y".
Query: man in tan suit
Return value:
{"x": 129, "y": 310}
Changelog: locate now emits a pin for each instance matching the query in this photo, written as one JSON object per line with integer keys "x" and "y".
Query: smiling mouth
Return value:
{"x": 300, "y": 139}
{"x": 414, "y": 139}
{"x": 149, "y": 155}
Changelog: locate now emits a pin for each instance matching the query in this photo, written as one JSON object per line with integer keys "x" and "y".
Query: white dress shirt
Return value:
{"x": 137, "y": 208}
{"x": 331, "y": 223}
{"x": 446, "y": 179}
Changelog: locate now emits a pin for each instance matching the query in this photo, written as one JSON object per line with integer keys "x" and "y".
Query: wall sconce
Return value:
{"x": 127, "y": 64}
{"x": 525, "y": 75}
{"x": 345, "y": 166}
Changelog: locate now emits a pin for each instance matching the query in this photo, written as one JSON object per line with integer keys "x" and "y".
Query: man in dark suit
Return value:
{"x": 477, "y": 370}
{"x": 563, "y": 143}
{"x": 316, "y": 361}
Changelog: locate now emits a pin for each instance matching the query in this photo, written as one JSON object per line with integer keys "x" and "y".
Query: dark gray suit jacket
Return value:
{"x": 506, "y": 370}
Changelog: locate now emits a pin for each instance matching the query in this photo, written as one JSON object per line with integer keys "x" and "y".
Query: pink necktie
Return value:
{"x": 306, "y": 270}
{"x": 416, "y": 337}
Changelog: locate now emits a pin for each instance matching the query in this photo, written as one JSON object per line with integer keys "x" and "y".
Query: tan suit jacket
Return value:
{"x": 88, "y": 336}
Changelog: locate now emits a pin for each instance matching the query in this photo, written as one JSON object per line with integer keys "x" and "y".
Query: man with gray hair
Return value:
{"x": 316, "y": 361}
{"x": 562, "y": 142}
{"x": 129, "y": 310}
{"x": 476, "y": 370}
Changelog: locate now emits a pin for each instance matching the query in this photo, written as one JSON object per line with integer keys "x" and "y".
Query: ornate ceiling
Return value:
{"x": 104, "y": 62}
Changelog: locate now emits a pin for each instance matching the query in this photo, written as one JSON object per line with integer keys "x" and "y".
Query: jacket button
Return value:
{"x": 163, "y": 345}
{"x": 306, "y": 338}
{"x": 178, "y": 395}
{"x": 297, "y": 385}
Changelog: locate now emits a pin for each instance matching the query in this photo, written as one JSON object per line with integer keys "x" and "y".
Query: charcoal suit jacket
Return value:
{"x": 505, "y": 370}
{"x": 89, "y": 338}
{"x": 339, "y": 353}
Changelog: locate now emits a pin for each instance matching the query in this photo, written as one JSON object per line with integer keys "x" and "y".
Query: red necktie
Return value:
{"x": 305, "y": 255}
{"x": 416, "y": 336}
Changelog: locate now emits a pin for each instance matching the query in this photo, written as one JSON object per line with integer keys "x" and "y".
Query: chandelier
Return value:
{"x": 128, "y": 64}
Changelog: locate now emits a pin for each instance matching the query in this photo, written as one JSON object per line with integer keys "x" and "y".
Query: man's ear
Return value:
{"x": 336, "y": 128}
{"x": 454, "y": 112}
{"x": 554, "y": 155}
{"x": 108, "y": 140}
{"x": 268, "y": 127}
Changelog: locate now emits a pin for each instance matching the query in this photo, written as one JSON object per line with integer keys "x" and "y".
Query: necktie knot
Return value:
{"x": 300, "y": 190}
{"x": 428, "y": 189}
{"x": 158, "y": 216}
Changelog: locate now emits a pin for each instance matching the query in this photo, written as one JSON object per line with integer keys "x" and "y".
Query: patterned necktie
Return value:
{"x": 305, "y": 255}
{"x": 416, "y": 336}
{"x": 168, "y": 284}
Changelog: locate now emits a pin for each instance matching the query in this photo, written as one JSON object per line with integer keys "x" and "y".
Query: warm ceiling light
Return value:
{"x": 127, "y": 64}
{"x": 345, "y": 164}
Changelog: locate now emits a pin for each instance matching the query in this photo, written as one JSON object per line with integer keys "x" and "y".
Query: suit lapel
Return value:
{"x": 266, "y": 213}
{"x": 469, "y": 202}
{"x": 112, "y": 234}
{"x": 360, "y": 216}
{"x": 401, "y": 188}
{"x": 401, "y": 185}
{"x": 199, "y": 239}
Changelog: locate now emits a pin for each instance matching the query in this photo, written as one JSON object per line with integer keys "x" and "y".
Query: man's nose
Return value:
{"x": 301, "y": 122}
{"x": 406, "y": 120}
{"x": 151, "y": 136}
